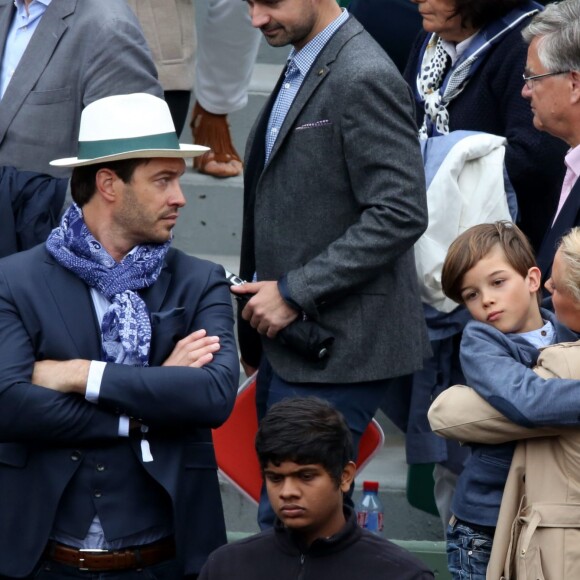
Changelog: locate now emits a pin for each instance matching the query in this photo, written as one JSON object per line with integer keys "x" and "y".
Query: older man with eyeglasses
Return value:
{"x": 552, "y": 85}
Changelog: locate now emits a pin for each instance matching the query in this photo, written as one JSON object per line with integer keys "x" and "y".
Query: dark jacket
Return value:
{"x": 568, "y": 218}
{"x": 29, "y": 207}
{"x": 394, "y": 24}
{"x": 352, "y": 553}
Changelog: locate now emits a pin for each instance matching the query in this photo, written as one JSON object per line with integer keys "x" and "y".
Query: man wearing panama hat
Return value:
{"x": 118, "y": 357}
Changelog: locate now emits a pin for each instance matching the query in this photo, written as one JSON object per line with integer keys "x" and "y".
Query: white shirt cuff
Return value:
{"x": 96, "y": 370}
{"x": 123, "y": 426}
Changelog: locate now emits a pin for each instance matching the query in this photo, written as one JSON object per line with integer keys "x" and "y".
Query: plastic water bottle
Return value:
{"x": 369, "y": 509}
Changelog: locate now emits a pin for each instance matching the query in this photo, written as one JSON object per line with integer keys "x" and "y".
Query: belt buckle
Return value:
{"x": 88, "y": 551}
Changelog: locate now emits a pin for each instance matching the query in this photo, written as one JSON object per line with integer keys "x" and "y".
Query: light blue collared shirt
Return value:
{"x": 541, "y": 337}
{"x": 21, "y": 30}
{"x": 299, "y": 63}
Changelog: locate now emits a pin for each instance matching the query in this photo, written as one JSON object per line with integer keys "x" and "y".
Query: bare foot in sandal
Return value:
{"x": 218, "y": 166}
{"x": 213, "y": 131}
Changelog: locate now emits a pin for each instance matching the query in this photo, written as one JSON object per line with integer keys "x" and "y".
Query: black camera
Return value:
{"x": 304, "y": 336}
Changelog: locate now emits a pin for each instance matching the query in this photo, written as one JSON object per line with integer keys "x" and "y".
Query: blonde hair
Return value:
{"x": 569, "y": 249}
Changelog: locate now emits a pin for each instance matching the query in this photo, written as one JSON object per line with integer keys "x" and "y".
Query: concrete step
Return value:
{"x": 264, "y": 77}
{"x": 211, "y": 221}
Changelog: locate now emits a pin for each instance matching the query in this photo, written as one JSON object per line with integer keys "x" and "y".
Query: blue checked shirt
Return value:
{"x": 299, "y": 63}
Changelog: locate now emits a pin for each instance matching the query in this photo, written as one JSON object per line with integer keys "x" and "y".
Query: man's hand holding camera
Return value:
{"x": 266, "y": 311}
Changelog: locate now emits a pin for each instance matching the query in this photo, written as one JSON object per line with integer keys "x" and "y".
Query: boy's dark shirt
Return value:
{"x": 351, "y": 553}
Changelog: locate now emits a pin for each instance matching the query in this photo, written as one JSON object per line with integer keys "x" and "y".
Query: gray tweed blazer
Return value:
{"x": 337, "y": 210}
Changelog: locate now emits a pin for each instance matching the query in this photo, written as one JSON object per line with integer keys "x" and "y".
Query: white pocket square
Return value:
{"x": 314, "y": 124}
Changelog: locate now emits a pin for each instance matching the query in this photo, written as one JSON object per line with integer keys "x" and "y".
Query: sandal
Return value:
{"x": 213, "y": 131}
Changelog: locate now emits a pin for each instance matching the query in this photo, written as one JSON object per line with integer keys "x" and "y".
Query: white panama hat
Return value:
{"x": 127, "y": 127}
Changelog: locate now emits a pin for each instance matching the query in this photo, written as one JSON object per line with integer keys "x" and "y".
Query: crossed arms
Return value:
{"x": 43, "y": 402}
{"x": 460, "y": 413}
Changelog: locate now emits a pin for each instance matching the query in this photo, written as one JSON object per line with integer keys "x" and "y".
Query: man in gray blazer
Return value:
{"x": 58, "y": 56}
{"x": 334, "y": 201}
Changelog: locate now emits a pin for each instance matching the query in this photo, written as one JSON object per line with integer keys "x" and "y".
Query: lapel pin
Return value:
{"x": 320, "y": 72}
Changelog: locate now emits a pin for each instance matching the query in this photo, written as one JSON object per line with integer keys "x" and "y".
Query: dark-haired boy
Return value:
{"x": 491, "y": 269}
{"x": 305, "y": 451}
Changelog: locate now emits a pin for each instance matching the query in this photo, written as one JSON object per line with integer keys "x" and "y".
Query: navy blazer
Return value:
{"x": 46, "y": 312}
{"x": 568, "y": 218}
{"x": 30, "y": 204}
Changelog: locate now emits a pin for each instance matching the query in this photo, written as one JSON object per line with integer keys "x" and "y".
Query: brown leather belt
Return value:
{"x": 107, "y": 560}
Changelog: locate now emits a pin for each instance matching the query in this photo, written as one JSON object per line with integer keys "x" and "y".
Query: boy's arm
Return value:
{"x": 524, "y": 397}
{"x": 460, "y": 413}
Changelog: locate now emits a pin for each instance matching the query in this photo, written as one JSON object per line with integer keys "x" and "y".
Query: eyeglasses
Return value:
{"x": 529, "y": 80}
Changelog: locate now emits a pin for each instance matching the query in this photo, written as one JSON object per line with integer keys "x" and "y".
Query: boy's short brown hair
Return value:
{"x": 475, "y": 243}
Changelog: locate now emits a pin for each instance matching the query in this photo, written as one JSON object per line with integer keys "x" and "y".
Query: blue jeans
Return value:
{"x": 358, "y": 402}
{"x": 468, "y": 551}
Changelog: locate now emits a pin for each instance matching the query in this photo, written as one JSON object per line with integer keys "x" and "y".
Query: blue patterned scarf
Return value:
{"x": 125, "y": 328}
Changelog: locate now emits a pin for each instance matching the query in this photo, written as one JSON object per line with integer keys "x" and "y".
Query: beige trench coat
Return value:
{"x": 169, "y": 27}
{"x": 538, "y": 530}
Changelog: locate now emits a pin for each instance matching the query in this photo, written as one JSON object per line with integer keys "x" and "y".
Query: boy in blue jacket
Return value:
{"x": 491, "y": 269}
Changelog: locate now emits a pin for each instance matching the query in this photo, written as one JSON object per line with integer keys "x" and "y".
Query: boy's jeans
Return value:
{"x": 468, "y": 551}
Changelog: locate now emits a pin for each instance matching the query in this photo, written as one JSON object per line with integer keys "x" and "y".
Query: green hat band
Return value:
{"x": 97, "y": 149}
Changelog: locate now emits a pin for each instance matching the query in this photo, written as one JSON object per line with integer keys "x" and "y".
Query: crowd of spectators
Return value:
{"x": 120, "y": 355}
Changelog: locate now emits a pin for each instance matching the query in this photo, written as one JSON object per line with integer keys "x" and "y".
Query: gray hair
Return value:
{"x": 558, "y": 29}
{"x": 569, "y": 249}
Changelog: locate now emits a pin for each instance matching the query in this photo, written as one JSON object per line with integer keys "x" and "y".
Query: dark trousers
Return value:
{"x": 178, "y": 103}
